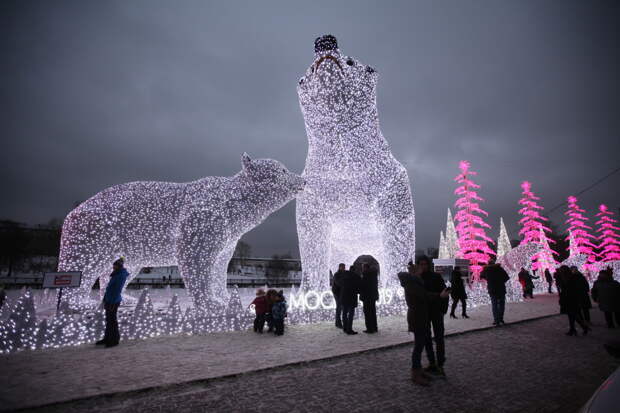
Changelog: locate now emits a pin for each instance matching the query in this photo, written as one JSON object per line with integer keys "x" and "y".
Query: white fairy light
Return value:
{"x": 358, "y": 199}
{"x": 503, "y": 242}
{"x": 194, "y": 225}
{"x": 452, "y": 239}
{"x": 443, "y": 249}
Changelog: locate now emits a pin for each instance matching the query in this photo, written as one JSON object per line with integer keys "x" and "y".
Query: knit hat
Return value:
{"x": 120, "y": 262}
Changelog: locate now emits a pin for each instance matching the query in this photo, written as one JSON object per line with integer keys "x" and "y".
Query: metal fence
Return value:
{"x": 36, "y": 282}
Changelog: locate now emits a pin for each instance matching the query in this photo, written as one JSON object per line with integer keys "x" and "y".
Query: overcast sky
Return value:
{"x": 96, "y": 93}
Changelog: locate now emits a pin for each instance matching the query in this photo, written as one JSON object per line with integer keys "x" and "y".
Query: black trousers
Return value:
{"x": 440, "y": 348}
{"x": 278, "y": 324}
{"x": 609, "y": 318}
{"x": 463, "y": 305}
{"x": 348, "y": 312}
{"x": 112, "y": 335}
{"x": 575, "y": 316}
{"x": 421, "y": 335}
{"x": 259, "y": 323}
{"x": 585, "y": 312}
{"x": 338, "y": 312}
{"x": 370, "y": 315}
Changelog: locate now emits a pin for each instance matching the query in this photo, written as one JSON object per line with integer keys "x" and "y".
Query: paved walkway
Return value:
{"x": 30, "y": 379}
{"x": 526, "y": 367}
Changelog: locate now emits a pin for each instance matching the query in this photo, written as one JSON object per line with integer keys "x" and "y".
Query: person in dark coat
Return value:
{"x": 418, "y": 301}
{"x": 606, "y": 292}
{"x": 434, "y": 284}
{"x": 111, "y": 301}
{"x": 570, "y": 299}
{"x": 369, "y": 296}
{"x": 349, "y": 290}
{"x": 584, "y": 293}
{"x": 261, "y": 307}
{"x": 336, "y": 286}
{"x": 549, "y": 279}
{"x": 458, "y": 292}
{"x": 525, "y": 279}
{"x": 496, "y": 278}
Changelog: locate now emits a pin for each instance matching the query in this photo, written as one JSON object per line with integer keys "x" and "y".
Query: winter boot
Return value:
{"x": 417, "y": 377}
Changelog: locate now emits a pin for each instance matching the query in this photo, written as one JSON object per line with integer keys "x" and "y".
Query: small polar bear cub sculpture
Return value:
{"x": 194, "y": 225}
{"x": 358, "y": 199}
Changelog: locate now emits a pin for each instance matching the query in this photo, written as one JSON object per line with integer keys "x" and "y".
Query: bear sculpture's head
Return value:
{"x": 336, "y": 90}
{"x": 272, "y": 177}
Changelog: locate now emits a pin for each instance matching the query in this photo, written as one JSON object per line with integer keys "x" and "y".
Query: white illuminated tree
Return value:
{"x": 503, "y": 241}
{"x": 443, "y": 250}
{"x": 452, "y": 240}
{"x": 359, "y": 199}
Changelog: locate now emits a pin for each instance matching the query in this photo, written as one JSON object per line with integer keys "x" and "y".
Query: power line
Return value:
{"x": 586, "y": 189}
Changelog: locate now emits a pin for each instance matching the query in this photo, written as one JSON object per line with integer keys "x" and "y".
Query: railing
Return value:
{"x": 139, "y": 282}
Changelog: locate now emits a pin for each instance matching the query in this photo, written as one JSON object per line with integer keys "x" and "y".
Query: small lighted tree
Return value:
{"x": 533, "y": 228}
{"x": 473, "y": 240}
{"x": 577, "y": 227}
{"x": 443, "y": 251}
{"x": 503, "y": 241}
{"x": 609, "y": 246}
{"x": 451, "y": 239}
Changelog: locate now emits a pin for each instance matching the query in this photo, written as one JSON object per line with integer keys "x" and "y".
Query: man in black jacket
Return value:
{"x": 336, "y": 285}
{"x": 438, "y": 307}
{"x": 418, "y": 303}
{"x": 349, "y": 289}
{"x": 496, "y": 278}
{"x": 369, "y": 296}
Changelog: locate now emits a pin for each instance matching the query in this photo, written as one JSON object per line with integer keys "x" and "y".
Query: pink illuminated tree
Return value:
{"x": 533, "y": 228}
{"x": 473, "y": 241}
{"x": 577, "y": 227}
{"x": 609, "y": 246}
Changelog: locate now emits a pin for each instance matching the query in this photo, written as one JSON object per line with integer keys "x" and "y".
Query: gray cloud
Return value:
{"x": 98, "y": 93}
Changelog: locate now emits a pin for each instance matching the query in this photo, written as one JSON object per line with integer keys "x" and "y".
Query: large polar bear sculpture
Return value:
{"x": 358, "y": 199}
{"x": 194, "y": 225}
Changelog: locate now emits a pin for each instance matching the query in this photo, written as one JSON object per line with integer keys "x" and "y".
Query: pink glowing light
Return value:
{"x": 533, "y": 229}
{"x": 473, "y": 241}
{"x": 577, "y": 226}
{"x": 609, "y": 246}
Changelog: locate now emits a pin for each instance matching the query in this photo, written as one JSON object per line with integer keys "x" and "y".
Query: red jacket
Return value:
{"x": 261, "y": 306}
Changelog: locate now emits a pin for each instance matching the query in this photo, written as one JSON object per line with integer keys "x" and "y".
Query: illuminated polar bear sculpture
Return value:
{"x": 194, "y": 225}
{"x": 520, "y": 257}
{"x": 358, "y": 200}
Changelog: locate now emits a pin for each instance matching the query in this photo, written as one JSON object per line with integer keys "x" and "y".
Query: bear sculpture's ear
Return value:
{"x": 246, "y": 161}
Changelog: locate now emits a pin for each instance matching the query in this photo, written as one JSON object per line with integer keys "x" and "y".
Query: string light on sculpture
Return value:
{"x": 609, "y": 237}
{"x": 473, "y": 241}
{"x": 358, "y": 199}
{"x": 443, "y": 249}
{"x": 534, "y": 230}
{"x": 503, "y": 242}
{"x": 452, "y": 241}
{"x": 579, "y": 229}
{"x": 194, "y": 225}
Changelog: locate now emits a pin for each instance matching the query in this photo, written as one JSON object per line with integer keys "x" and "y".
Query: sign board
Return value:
{"x": 62, "y": 279}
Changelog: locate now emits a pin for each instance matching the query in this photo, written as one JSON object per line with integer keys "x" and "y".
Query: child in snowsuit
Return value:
{"x": 278, "y": 312}
{"x": 261, "y": 306}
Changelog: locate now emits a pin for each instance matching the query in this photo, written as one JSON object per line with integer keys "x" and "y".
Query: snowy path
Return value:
{"x": 43, "y": 377}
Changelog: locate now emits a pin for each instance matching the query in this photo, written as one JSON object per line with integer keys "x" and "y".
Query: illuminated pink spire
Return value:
{"x": 473, "y": 241}
{"x": 609, "y": 247}
{"x": 533, "y": 229}
{"x": 577, "y": 226}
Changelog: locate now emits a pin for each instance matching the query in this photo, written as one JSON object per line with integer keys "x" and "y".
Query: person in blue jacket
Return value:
{"x": 111, "y": 300}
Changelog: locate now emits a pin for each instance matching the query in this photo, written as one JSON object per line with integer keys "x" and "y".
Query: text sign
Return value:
{"x": 62, "y": 279}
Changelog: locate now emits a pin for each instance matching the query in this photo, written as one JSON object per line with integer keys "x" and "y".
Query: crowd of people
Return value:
{"x": 427, "y": 298}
